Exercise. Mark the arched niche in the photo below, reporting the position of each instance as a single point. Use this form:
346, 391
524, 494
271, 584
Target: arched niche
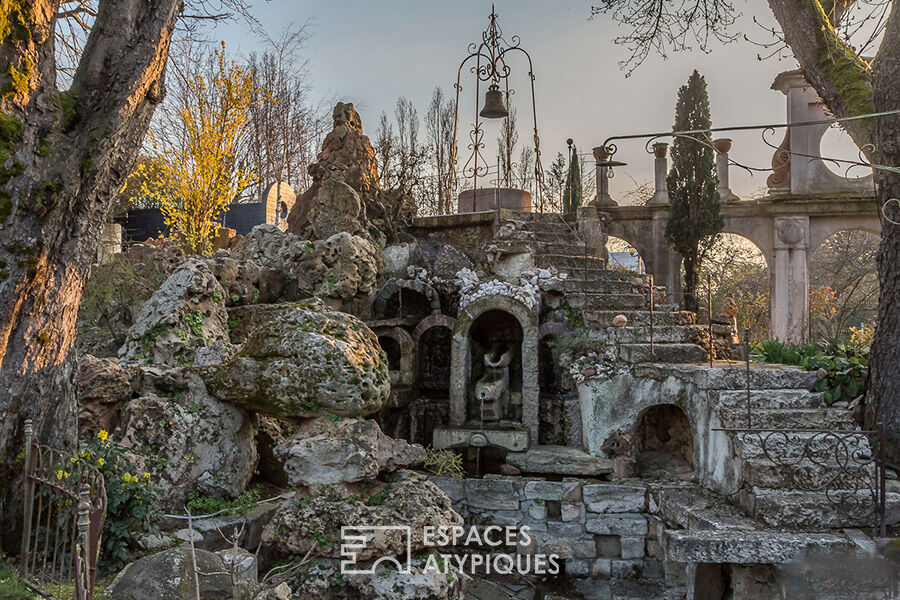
401, 351
407, 300
664, 442
461, 384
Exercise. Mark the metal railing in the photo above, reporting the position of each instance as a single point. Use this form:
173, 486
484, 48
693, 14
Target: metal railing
63, 511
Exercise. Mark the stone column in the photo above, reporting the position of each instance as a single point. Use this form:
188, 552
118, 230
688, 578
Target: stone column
723, 147
661, 168
601, 156
592, 227
790, 297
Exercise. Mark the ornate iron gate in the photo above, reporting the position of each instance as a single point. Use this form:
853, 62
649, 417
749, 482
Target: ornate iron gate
64, 507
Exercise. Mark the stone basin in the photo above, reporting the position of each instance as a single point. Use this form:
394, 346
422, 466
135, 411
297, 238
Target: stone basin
513, 440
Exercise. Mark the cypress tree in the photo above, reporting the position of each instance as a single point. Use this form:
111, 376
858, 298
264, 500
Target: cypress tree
572, 194
694, 217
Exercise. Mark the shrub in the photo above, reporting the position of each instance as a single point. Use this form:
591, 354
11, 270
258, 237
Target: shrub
131, 500
206, 505
846, 366
445, 463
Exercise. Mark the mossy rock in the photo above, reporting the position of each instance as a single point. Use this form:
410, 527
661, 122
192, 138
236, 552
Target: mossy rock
308, 361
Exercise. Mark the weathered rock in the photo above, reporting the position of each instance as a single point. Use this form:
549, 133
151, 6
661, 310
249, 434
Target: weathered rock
185, 313
103, 385
189, 441
240, 563
324, 451
347, 157
270, 265
308, 361
316, 520
169, 574
337, 208
325, 582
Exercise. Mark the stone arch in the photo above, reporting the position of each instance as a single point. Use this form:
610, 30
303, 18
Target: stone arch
381, 302
434, 320
407, 347
636, 234
822, 228
756, 230
663, 434
615, 259
461, 367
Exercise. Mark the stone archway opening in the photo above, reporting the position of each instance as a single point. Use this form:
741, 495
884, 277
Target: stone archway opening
432, 405
391, 347
738, 270
664, 443
624, 257
495, 352
843, 288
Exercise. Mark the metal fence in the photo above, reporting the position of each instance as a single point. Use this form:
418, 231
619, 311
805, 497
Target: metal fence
63, 511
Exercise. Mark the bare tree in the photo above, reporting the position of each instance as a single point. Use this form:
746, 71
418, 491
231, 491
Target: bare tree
439, 133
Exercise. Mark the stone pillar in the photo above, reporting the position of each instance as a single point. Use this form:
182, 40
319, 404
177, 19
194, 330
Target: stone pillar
601, 156
790, 294
592, 227
660, 170
723, 147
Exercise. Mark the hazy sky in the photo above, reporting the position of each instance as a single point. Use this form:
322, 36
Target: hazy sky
372, 52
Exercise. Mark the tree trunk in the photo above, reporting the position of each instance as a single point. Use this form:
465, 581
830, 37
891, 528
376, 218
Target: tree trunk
689, 292
884, 376
65, 155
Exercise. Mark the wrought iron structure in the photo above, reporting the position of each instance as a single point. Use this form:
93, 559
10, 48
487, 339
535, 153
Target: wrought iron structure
64, 508
487, 61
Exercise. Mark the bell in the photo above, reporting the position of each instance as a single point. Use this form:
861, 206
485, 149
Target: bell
493, 104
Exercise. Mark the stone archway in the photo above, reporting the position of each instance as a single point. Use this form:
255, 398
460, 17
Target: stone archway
388, 302
405, 360
461, 364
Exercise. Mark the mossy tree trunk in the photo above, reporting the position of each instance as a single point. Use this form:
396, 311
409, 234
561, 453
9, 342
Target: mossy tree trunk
850, 87
64, 156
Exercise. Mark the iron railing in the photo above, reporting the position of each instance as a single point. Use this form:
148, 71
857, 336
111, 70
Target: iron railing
63, 511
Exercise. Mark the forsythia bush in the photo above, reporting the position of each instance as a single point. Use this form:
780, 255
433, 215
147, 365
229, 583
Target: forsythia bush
131, 508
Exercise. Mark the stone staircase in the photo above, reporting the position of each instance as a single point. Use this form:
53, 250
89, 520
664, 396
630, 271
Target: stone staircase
802, 465
599, 294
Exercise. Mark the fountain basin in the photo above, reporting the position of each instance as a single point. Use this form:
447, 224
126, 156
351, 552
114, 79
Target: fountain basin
513, 440
482, 199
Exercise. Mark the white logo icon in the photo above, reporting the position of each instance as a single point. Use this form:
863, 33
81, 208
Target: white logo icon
355, 539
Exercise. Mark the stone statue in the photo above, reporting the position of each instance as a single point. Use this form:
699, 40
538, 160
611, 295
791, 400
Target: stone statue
492, 389
620, 447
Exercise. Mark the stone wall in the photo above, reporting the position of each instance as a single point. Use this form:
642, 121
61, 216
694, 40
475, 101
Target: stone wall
599, 530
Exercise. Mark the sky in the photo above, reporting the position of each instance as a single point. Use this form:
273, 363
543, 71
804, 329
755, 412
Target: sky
372, 52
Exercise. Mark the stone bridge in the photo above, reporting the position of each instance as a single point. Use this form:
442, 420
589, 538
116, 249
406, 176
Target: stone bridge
806, 203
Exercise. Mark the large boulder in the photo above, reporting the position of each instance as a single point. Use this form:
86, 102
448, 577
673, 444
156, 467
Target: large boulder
337, 208
186, 439
186, 312
314, 520
309, 361
169, 575
326, 451
269, 265
103, 385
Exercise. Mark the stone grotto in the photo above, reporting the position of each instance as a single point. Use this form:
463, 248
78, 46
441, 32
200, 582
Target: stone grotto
479, 368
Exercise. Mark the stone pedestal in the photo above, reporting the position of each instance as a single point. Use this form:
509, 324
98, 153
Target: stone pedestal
790, 296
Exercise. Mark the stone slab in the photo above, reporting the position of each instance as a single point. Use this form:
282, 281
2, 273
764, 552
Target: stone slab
560, 460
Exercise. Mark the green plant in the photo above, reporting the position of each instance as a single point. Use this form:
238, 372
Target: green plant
445, 463
217, 296
200, 504
131, 500
194, 322
12, 587
845, 366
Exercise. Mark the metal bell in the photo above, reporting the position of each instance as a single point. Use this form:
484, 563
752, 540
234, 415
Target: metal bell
493, 104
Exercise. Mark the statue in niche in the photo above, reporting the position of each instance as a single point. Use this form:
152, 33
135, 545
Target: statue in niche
492, 389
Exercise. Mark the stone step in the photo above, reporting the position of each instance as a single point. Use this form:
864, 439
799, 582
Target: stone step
762, 472
608, 302
749, 547
662, 353
773, 399
600, 318
568, 263
595, 281
663, 334
788, 418
803, 445
732, 376
812, 511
